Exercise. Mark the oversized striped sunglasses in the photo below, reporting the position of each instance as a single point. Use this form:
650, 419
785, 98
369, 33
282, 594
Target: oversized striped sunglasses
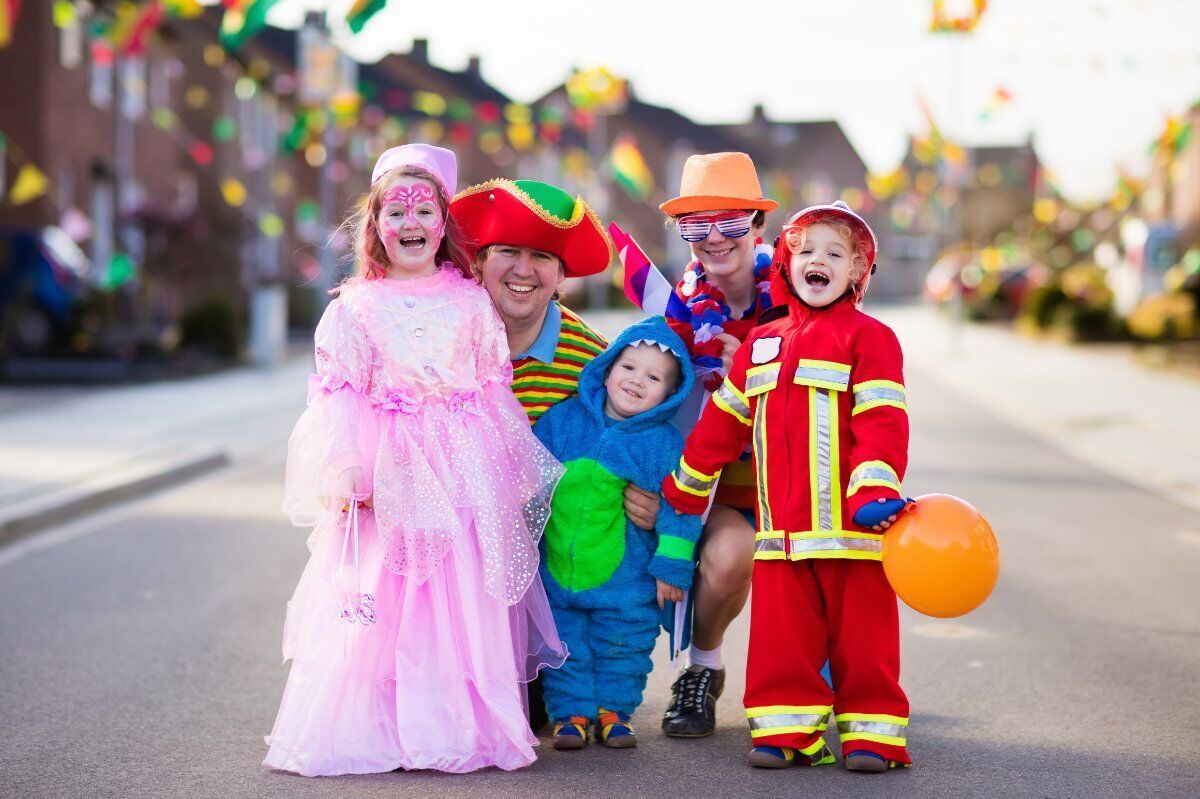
730, 224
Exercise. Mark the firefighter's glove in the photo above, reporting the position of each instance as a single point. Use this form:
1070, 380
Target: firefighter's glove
880, 515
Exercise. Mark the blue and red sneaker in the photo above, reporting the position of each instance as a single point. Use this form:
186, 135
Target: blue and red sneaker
615, 730
570, 732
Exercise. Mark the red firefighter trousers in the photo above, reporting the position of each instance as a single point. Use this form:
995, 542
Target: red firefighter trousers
802, 614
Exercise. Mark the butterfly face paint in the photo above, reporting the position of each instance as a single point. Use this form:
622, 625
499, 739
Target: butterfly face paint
411, 227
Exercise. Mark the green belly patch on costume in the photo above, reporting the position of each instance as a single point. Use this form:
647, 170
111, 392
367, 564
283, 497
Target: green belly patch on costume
585, 537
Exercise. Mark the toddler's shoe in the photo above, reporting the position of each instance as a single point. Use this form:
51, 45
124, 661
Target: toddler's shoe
570, 732
772, 757
786, 757
865, 761
615, 730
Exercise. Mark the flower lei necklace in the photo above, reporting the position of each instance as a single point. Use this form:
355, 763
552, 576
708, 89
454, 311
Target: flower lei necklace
709, 311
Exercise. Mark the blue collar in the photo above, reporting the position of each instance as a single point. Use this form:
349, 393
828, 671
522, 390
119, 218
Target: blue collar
547, 341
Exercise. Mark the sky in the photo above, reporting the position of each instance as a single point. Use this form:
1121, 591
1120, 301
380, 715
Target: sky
1092, 81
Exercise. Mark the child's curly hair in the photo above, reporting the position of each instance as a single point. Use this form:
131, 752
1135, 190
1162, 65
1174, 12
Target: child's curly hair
859, 242
366, 247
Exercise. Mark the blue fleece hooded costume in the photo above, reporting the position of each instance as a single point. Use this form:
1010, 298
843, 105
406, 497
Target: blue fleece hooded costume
598, 568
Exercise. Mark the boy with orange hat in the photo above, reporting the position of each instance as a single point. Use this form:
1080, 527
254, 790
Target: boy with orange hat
721, 214
818, 390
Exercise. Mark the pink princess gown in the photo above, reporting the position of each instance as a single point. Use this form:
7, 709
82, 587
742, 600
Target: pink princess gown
414, 624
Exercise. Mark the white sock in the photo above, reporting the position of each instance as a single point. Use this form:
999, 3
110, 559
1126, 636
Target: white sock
705, 658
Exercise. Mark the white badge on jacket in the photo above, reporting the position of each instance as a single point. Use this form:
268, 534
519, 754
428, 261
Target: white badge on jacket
765, 350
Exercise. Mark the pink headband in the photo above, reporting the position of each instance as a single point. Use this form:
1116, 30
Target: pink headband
439, 161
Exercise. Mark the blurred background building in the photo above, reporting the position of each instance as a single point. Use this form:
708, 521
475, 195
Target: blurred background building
173, 176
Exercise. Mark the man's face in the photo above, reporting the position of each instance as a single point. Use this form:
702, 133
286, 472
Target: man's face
520, 280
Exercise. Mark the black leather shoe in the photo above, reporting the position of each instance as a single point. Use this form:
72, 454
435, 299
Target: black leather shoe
693, 709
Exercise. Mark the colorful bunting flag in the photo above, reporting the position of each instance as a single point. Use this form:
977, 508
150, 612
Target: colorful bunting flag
8, 20
362, 11
947, 21
233, 191
30, 184
1000, 97
134, 24
243, 20
628, 168
184, 9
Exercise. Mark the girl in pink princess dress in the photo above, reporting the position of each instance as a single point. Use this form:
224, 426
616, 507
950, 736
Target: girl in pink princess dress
420, 612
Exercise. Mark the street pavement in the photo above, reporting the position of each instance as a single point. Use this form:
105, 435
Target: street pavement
141, 645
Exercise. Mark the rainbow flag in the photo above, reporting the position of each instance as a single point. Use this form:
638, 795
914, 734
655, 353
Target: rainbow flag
645, 286
362, 11
629, 169
243, 20
8, 20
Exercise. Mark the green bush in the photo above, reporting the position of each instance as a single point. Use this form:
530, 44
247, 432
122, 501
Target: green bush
1041, 305
212, 325
1086, 322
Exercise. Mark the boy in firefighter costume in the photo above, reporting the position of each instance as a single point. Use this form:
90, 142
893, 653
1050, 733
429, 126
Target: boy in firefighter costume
601, 572
818, 390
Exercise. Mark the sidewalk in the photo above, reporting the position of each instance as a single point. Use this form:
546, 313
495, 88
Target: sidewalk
1094, 402
69, 456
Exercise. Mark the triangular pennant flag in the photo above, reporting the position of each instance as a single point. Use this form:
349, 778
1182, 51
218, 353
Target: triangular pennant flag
362, 11
243, 20
30, 184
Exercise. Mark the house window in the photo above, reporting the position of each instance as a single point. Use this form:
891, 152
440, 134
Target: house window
160, 82
102, 222
100, 88
70, 45
133, 87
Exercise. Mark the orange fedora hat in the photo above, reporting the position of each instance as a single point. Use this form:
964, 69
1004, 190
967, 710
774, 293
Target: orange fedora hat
715, 181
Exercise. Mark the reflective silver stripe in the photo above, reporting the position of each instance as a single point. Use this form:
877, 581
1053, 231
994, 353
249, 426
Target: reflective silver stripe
865, 473
873, 727
824, 375
765, 379
813, 720
824, 471
760, 462
769, 545
836, 544
863, 396
733, 400
683, 478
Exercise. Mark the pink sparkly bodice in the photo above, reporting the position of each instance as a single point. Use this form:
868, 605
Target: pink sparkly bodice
412, 391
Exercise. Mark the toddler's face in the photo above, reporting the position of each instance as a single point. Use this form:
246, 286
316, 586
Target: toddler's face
640, 379
410, 225
820, 266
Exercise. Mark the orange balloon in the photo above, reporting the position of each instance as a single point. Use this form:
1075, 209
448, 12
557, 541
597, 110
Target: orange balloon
941, 556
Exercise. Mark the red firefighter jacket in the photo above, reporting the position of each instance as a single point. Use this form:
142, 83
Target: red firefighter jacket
820, 395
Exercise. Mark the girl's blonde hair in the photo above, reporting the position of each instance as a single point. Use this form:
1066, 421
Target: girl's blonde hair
366, 247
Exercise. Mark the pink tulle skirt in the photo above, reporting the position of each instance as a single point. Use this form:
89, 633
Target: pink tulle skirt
435, 682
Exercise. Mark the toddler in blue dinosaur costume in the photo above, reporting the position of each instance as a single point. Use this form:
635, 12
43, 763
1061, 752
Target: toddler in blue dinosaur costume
605, 577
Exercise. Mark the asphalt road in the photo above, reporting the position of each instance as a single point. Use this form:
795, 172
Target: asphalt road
139, 652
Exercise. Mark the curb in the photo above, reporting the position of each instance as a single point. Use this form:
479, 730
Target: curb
63, 506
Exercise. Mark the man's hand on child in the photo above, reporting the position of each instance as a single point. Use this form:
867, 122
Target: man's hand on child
641, 506
881, 515
668, 593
